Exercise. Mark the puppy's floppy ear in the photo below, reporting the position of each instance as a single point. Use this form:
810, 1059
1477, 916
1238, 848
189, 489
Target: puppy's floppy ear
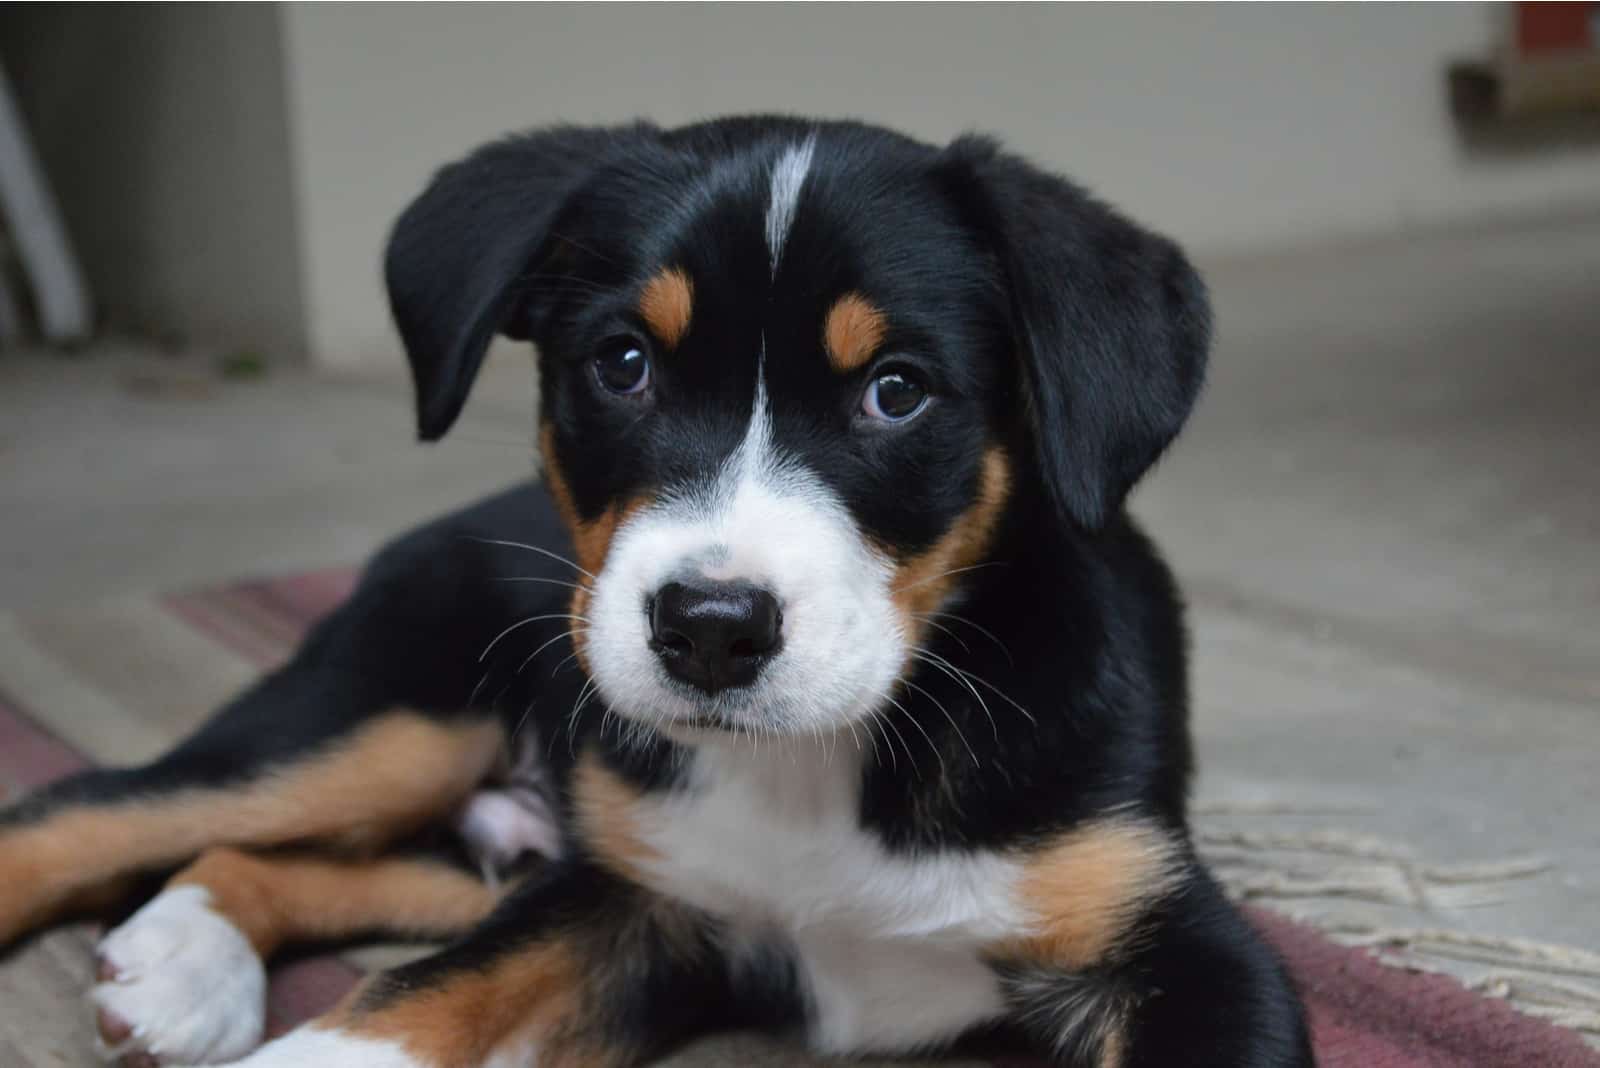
458, 255
1110, 322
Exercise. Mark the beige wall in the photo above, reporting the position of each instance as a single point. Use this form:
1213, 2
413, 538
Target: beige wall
163, 130
234, 170
1233, 127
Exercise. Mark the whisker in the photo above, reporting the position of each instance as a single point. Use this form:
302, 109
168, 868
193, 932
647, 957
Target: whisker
874, 721
588, 691
927, 618
523, 623
518, 728
472, 698
947, 574
997, 691
953, 617
944, 771
853, 735
879, 716
564, 634
557, 557
951, 670
537, 578
872, 740
953, 724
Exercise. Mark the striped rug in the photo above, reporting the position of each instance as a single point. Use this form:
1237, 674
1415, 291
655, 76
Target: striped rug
118, 682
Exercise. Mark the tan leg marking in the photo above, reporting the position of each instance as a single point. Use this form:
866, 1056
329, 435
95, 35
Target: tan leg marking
1112, 1046
547, 1001
921, 583
666, 304
386, 780
1086, 893
852, 332
274, 900
531, 997
1088, 890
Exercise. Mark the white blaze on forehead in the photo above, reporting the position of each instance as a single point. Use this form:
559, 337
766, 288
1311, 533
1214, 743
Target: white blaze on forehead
754, 455
788, 175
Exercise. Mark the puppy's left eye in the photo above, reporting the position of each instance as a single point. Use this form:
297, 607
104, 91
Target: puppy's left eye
623, 367
894, 397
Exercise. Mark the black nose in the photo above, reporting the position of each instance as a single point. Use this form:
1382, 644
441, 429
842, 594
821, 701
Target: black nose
714, 634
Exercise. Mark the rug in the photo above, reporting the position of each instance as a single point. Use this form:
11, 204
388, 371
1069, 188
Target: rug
120, 681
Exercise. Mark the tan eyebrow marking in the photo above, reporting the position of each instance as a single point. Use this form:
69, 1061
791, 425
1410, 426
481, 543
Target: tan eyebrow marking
667, 304
853, 331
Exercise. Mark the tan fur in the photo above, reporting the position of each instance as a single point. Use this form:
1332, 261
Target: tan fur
605, 806
591, 538
532, 996
1088, 890
385, 781
279, 899
922, 582
1112, 1047
852, 331
666, 304
545, 1000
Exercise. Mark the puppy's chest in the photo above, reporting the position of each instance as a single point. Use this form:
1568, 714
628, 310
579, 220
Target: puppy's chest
775, 838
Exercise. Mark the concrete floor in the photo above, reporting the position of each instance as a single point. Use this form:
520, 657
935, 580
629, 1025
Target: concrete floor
1386, 514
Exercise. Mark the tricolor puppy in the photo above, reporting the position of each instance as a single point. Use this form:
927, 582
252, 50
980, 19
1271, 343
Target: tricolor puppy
825, 680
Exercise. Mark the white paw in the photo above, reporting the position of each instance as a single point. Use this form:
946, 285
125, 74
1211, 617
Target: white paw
181, 985
313, 1048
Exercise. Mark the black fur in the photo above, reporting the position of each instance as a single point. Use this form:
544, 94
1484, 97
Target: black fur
1044, 323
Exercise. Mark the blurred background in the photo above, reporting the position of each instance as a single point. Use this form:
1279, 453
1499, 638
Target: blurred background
1386, 512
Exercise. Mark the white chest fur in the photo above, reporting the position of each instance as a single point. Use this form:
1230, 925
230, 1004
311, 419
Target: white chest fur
887, 943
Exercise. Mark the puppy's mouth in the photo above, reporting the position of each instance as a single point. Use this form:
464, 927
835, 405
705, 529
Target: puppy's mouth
705, 721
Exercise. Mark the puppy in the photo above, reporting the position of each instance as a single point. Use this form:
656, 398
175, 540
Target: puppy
826, 669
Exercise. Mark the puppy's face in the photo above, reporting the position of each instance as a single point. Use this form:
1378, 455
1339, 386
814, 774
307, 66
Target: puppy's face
767, 413
783, 377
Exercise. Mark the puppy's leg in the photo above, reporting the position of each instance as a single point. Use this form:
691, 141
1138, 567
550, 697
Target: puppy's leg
1224, 997
578, 969
331, 747
183, 981
381, 779
1179, 978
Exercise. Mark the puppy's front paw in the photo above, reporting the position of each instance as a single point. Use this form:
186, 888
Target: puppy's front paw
313, 1047
179, 985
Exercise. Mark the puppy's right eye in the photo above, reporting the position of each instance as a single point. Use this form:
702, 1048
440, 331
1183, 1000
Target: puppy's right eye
623, 367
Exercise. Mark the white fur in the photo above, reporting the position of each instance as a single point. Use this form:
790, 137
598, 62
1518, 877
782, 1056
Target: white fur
189, 983
893, 995
765, 519
766, 833
788, 175
313, 1048
310, 1047
513, 814
887, 943
498, 827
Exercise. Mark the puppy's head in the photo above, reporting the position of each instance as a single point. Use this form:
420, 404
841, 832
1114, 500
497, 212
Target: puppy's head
796, 379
